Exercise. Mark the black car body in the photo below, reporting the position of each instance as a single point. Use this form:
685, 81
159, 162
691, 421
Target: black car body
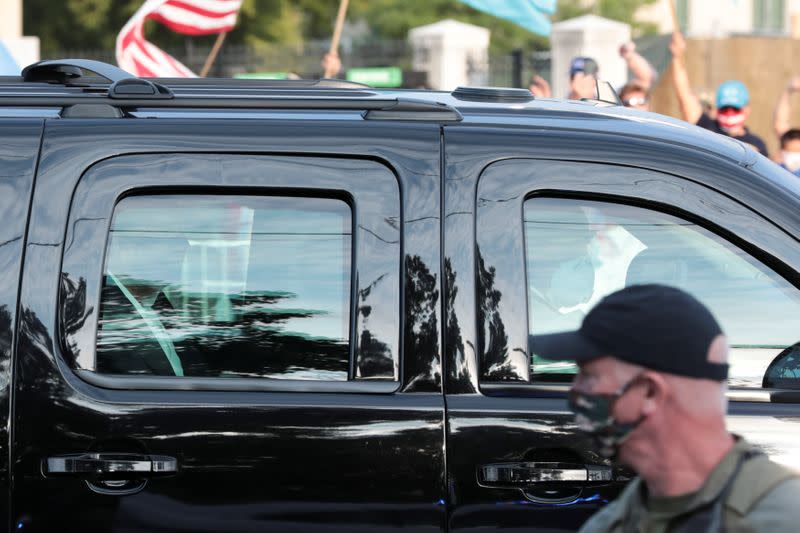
417, 232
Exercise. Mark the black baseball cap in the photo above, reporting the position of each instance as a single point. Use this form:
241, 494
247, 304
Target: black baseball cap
658, 327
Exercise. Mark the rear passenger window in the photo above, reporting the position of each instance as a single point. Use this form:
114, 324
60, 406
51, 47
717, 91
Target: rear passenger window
578, 251
227, 286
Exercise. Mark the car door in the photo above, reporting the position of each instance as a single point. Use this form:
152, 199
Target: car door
540, 233
231, 325
19, 150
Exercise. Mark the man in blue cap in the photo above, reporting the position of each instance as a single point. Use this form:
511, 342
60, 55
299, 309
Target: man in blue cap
733, 102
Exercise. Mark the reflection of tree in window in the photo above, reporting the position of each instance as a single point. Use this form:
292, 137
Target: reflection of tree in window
73, 308
374, 356
227, 286
421, 329
492, 336
454, 344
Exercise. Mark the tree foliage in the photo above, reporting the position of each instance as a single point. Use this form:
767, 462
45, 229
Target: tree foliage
621, 10
94, 24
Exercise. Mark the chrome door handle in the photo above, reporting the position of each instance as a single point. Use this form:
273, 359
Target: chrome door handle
521, 475
116, 474
110, 463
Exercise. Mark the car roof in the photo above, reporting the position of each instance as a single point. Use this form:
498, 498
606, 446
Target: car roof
91, 89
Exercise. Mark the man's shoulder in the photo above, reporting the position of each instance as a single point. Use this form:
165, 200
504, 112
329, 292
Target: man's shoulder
766, 492
778, 509
614, 513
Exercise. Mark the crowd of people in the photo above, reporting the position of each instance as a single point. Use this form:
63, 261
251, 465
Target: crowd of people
727, 115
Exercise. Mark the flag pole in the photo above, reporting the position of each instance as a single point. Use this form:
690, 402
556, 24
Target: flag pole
212, 55
337, 34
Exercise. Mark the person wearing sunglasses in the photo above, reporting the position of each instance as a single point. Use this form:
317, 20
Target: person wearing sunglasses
650, 393
635, 96
732, 101
636, 93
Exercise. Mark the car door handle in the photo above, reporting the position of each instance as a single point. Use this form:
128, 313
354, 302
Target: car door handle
521, 475
113, 464
115, 474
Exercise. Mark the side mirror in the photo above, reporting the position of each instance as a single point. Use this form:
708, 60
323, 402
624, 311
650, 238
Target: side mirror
784, 371
606, 93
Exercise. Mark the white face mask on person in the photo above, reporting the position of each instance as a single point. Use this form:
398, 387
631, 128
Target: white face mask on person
791, 160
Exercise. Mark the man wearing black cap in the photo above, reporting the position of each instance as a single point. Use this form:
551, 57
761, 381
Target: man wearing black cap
651, 392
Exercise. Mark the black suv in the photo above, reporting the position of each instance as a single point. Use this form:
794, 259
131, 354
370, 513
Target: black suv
305, 306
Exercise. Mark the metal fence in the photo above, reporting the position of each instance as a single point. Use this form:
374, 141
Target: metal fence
503, 70
303, 59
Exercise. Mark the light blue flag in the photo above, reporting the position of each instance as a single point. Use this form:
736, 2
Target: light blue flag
8, 65
533, 15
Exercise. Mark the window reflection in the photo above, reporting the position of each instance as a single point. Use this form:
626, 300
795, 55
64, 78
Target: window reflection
227, 286
578, 251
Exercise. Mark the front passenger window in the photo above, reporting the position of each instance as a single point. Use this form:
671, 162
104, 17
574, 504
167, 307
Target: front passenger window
578, 251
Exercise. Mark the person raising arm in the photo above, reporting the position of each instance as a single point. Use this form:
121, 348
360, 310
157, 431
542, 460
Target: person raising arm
636, 93
691, 108
733, 101
643, 72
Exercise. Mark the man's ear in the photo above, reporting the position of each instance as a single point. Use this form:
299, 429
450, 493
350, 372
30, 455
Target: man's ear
746, 111
656, 391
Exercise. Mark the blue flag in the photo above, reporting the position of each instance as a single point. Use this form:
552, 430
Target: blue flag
8, 65
533, 15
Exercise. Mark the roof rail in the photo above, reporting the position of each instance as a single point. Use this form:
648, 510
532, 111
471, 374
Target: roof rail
77, 72
73, 72
254, 83
390, 106
65, 83
61, 71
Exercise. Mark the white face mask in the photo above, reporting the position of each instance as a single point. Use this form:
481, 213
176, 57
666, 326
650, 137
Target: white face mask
791, 160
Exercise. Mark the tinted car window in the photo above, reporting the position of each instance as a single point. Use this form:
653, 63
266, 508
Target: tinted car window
227, 286
578, 251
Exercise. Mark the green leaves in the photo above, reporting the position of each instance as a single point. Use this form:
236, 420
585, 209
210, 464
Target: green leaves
94, 24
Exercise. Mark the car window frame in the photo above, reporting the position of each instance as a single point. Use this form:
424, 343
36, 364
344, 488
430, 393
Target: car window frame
504, 186
369, 188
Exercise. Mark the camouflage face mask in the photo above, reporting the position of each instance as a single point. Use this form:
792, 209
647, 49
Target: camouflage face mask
593, 416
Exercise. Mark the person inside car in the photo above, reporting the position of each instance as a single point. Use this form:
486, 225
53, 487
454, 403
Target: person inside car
651, 393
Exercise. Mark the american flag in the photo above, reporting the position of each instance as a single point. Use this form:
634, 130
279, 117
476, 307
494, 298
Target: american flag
190, 17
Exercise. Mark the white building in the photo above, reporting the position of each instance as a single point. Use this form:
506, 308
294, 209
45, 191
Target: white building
452, 53
722, 18
593, 36
23, 50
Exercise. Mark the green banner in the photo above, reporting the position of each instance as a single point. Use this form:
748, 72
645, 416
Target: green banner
377, 76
